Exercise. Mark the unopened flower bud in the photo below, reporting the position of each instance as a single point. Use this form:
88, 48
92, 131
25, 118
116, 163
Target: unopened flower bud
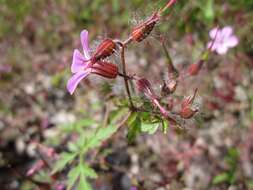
169, 87
144, 86
187, 112
105, 49
141, 31
189, 99
195, 68
105, 69
172, 85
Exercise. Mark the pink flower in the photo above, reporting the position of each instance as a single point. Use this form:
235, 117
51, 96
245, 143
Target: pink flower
222, 39
84, 64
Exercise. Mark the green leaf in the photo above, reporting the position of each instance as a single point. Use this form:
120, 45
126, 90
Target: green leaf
116, 6
87, 171
233, 153
150, 128
134, 124
73, 176
72, 147
232, 177
132, 118
83, 184
116, 115
80, 172
65, 158
250, 184
84, 123
209, 10
102, 134
165, 126
78, 125
220, 178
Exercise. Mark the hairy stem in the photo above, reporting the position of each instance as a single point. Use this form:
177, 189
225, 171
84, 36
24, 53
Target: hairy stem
123, 62
168, 5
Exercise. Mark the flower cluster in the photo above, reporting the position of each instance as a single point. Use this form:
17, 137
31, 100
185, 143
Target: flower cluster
85, 64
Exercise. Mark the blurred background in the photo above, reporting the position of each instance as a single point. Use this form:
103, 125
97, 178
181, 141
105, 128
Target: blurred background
37, 39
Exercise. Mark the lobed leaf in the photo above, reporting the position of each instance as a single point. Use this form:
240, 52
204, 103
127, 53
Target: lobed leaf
102, 134
73, 176
65, 158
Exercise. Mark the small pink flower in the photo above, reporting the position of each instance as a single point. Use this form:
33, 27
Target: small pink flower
84, 64
222, 39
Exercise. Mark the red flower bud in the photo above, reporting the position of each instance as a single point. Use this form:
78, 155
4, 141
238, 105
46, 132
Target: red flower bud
141, 31
105, 69
187, 112
172, 85
168, 87
194, 69
144, 86
189, 99
105, 49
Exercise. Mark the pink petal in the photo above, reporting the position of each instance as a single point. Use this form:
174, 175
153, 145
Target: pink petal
78, 62
213, 32
213, 44
75, 80
222, 49
227, 31
232, 41
85, 43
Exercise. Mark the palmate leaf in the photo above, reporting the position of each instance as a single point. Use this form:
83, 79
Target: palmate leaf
65, 158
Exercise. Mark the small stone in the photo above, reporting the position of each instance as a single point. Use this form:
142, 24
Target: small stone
240, 94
